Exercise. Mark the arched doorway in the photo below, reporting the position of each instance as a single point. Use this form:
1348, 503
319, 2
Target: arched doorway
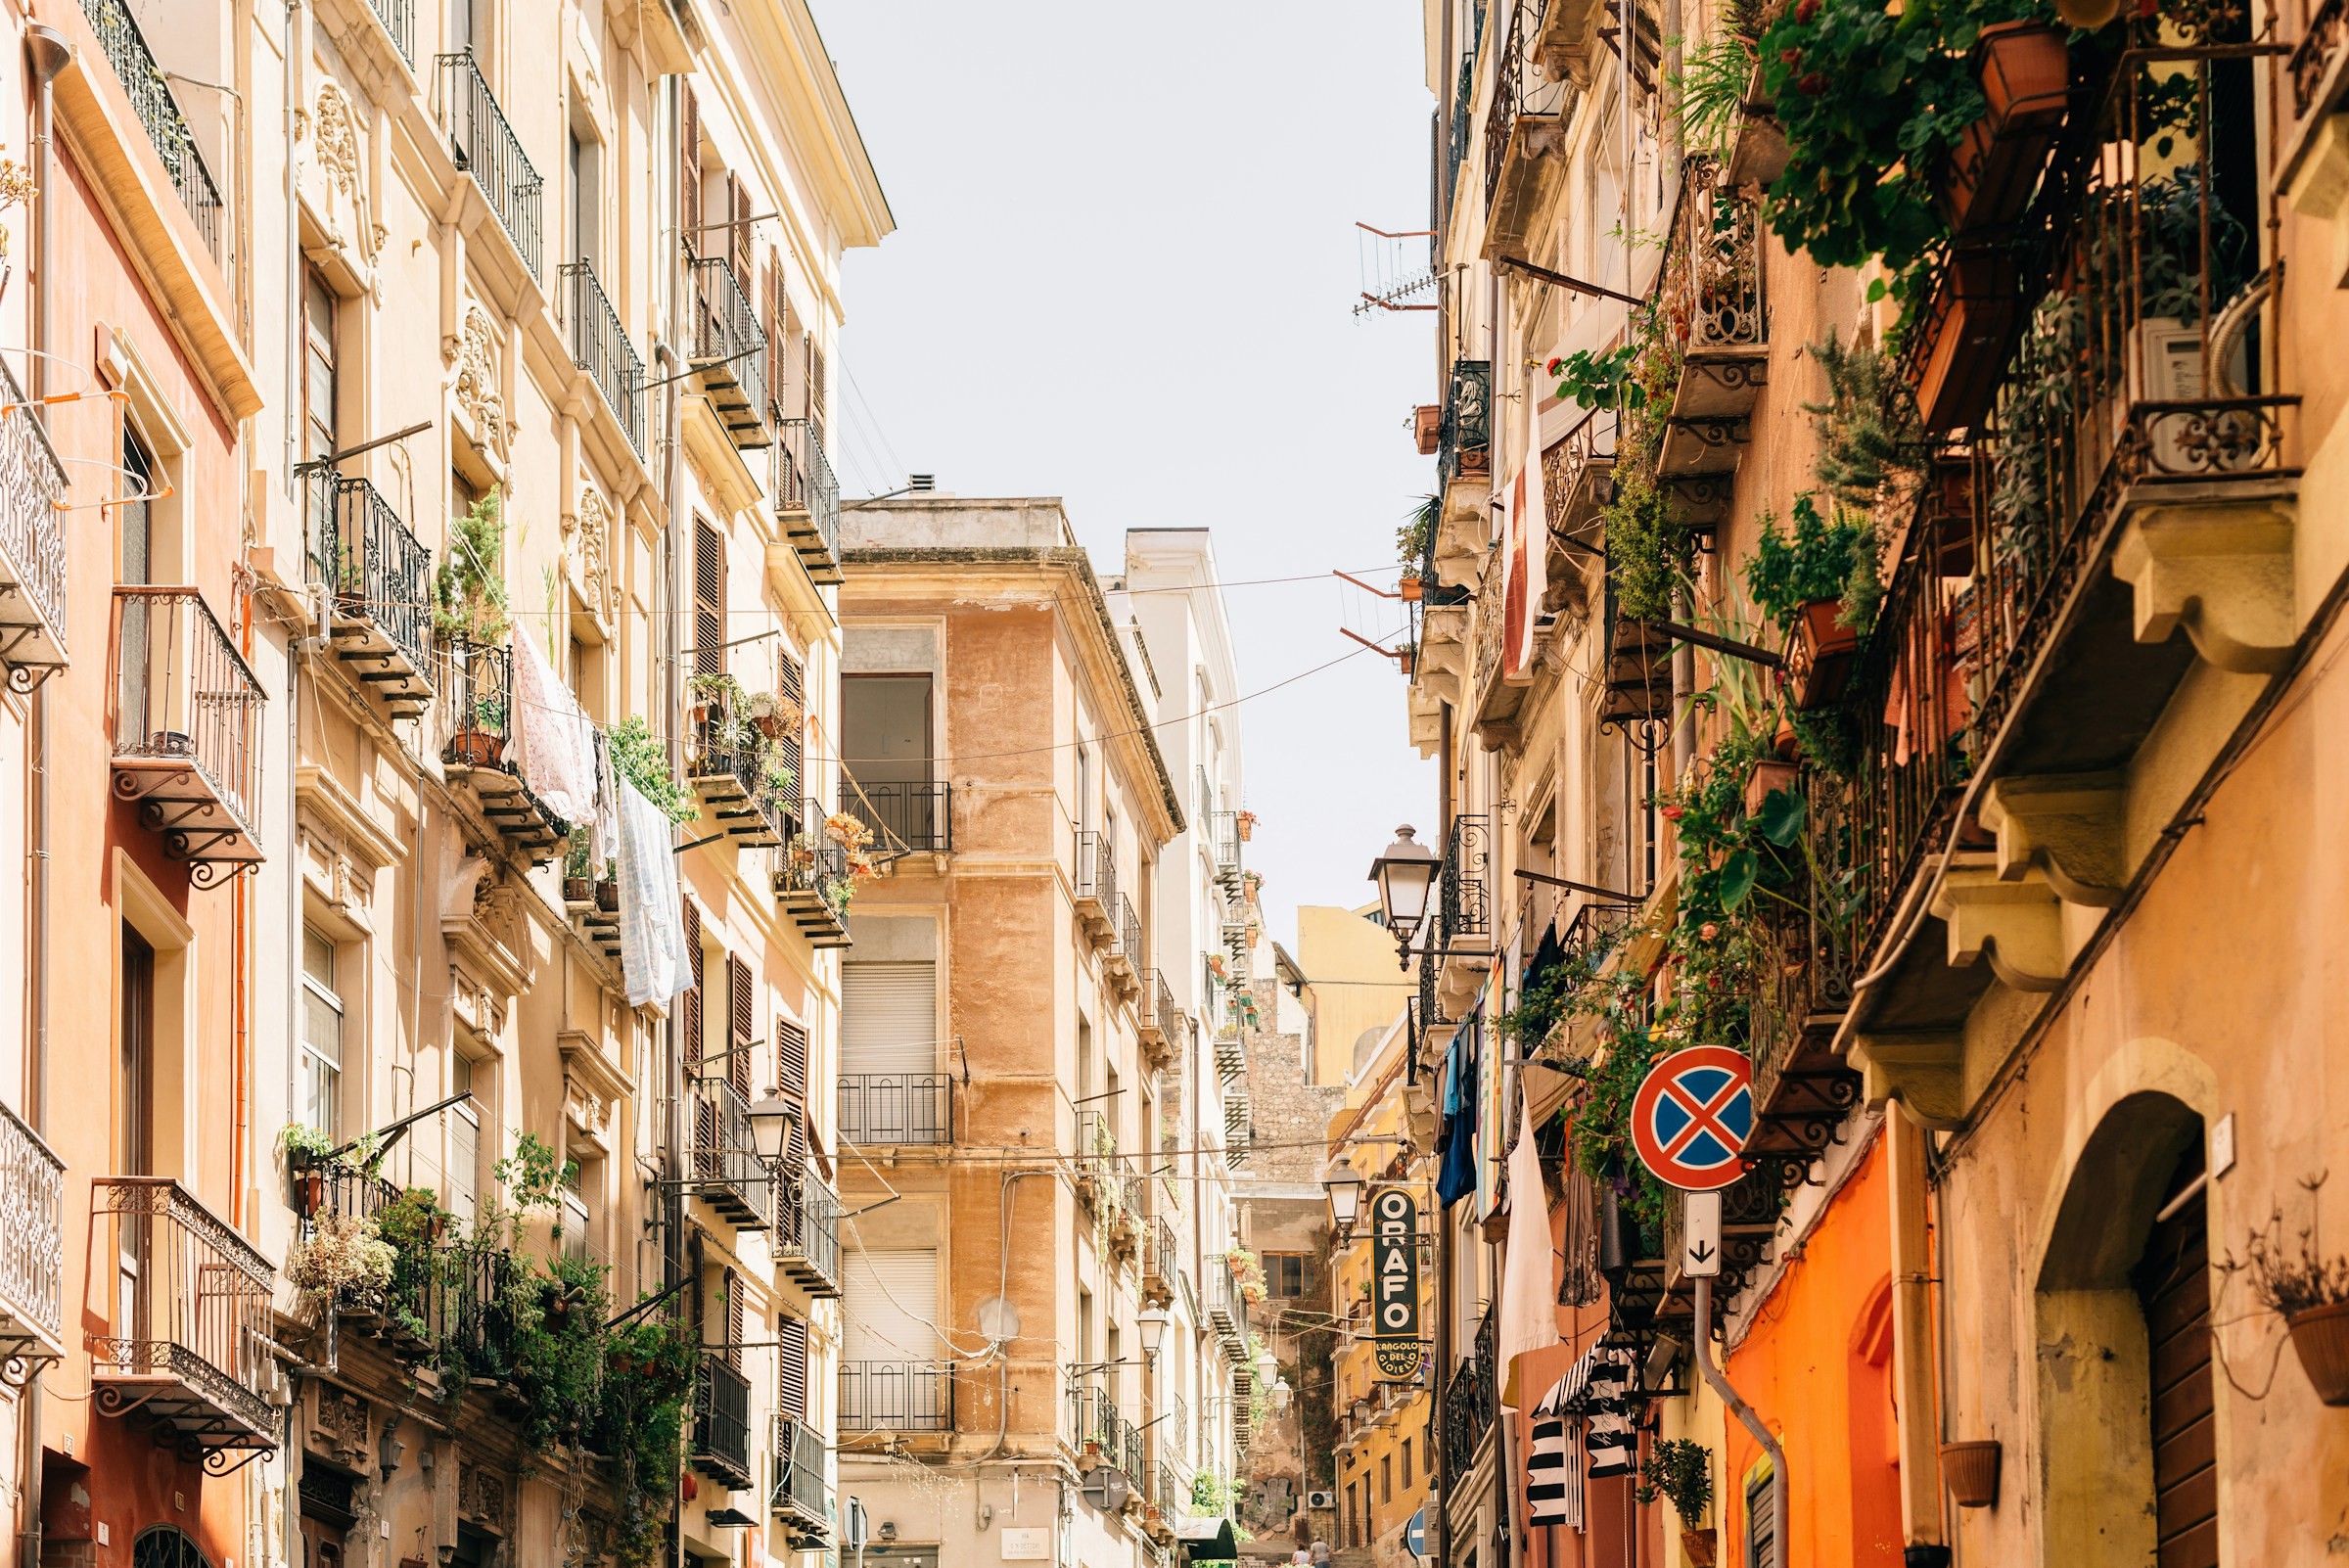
2125, 1452
166, 1547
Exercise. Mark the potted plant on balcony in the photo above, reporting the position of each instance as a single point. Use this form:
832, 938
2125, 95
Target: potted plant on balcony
2310, 1292
643, 761
1680, 1471
340, 1257
469, 604
1815, 585
2024, 71
1248, 1273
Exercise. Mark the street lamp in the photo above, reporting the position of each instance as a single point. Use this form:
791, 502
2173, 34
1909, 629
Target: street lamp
1344, 1184
1267, 1369
1403, 874
1281, 1394
1153, 1324
770, 1125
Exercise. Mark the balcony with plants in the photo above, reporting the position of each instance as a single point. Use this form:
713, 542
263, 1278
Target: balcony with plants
187, 731
738, 762
378, 581
1464, 472
472, 630
32, 544
818, 871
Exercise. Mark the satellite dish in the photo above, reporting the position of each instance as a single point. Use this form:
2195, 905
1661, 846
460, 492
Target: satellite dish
998, 1319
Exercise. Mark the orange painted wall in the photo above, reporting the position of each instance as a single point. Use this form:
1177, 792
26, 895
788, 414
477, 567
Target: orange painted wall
1817, 1367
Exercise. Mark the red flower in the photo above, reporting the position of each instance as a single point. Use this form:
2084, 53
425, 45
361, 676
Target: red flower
1812, 85
1790, 57
1804, 12
1708, 931
1673, 814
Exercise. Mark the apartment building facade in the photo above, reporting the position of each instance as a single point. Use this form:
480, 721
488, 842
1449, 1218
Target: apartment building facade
2019, 825
459, 459
1040, 1315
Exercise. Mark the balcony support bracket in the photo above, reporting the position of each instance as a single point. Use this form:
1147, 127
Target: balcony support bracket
2017, 926
2223, 570
1924, 1070
2067, 827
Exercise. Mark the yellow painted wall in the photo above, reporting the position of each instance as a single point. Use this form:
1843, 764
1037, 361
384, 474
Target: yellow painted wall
1352, 983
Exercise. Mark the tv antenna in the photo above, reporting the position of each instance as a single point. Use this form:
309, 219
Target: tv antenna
1396, 274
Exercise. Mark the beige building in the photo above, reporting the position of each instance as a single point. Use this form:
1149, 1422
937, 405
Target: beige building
1030, 1144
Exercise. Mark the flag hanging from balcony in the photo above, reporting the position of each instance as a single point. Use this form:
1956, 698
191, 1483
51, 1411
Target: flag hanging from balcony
1527, 541
1529, 1313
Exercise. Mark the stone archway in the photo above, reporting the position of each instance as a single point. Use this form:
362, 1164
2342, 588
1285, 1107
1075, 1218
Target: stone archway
2094, 1438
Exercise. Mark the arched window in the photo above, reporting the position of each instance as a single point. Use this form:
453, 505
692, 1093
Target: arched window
166, 1547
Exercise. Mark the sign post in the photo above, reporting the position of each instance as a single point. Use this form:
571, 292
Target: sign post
1395, 1282
1700, 1235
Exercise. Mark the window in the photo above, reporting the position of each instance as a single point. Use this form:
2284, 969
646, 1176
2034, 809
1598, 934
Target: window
136, 1154
885, 728
577, 1245
1761, 1525
1407, 1464
319, 1078
464, 32
1286, 1275
138, 515
708, 599
464, 1142
582, 158
1385, 1478
321, 380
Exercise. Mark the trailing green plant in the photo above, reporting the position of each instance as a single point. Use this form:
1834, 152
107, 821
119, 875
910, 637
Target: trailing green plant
1821, 559
469, 588
1680, 1471
650, 1367
1869, 440
336, 1255
1597, 379
1872, 102
1647, 554
559, 1351
643, 761
1415, 540
302, 1142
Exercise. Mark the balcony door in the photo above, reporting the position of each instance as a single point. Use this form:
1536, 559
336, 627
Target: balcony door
888, 1299
134, 1136
888, 1050
884, 747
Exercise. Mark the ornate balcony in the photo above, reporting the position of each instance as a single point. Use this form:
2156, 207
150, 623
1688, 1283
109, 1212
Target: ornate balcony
800, 1496
728, 349
475, 708
1470, 1399
1464, 446
906, 818
1158, 1022
806, 1239
1122, 959
1498, 699
1803, 1091
187, 731
32, 544
1524, 134
188, 1354
812, 882
806, 498
1464, 908
1578, 477
1230, 872
1226, 1308
1162, 1262
889, 1397
878, 1109
725, 763
32, 1250
1096, 885
398, 18
600, 346
381, 580
2123, 511
149, 90
1713, 308
728, 1173
482, 142
722, 1423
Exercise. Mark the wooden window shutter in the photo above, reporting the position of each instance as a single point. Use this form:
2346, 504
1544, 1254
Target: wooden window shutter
738, 1037
689, 1007
738, 236
791, 1059
817, 401
709, 598
689, 165
771, 320
736, 1319
790, 1377
790, 371
791, 691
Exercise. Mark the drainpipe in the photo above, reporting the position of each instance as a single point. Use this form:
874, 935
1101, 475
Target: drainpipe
1718, 1383
46, 53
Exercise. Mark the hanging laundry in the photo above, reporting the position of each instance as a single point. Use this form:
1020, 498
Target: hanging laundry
1456, 1178
603, 843
556, 735
1553, 1471
652, 921
1529, 1314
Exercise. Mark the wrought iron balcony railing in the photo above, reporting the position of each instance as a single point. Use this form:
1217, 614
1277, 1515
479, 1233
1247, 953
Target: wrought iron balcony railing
485, 145
1464, 907
811, 881
475, 712
800, 1493
187, 731
189, 1340
1469, 1401
1096, 1143
727, 765
1227, 1306
912, 816
1125, 948
727, 1171
600, 346
727, 348
149, 89
1464, 119
1093, 1418
806, 1240
32, 1248
32, 544
1465, 440
1175, 1432
806, 498
398, 18
897, 1108
1521, 125
1096, 873
381, 578
1710, 297
721, 1422
896, 1397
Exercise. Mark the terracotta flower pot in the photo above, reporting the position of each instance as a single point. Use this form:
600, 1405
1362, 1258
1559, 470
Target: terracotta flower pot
578, 889
2026, 70
1971, 1470
1961, 337
2321, 1337
1703, 1546
607, 897
1409, 589
1766, 778
1427, 428
476, 748
1818, 659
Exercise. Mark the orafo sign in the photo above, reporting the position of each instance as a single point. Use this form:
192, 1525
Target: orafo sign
1395, 1282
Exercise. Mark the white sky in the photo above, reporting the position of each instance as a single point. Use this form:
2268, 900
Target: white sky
1123, 274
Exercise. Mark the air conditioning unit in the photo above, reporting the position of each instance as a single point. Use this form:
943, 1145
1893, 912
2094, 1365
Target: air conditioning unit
1321, 1499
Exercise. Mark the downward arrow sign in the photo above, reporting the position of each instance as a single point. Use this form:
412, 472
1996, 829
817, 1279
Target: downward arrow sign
1700, 1246
1700, 1252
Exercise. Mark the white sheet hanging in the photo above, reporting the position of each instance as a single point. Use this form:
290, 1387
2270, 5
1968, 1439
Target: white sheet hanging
558, 739
652, 921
